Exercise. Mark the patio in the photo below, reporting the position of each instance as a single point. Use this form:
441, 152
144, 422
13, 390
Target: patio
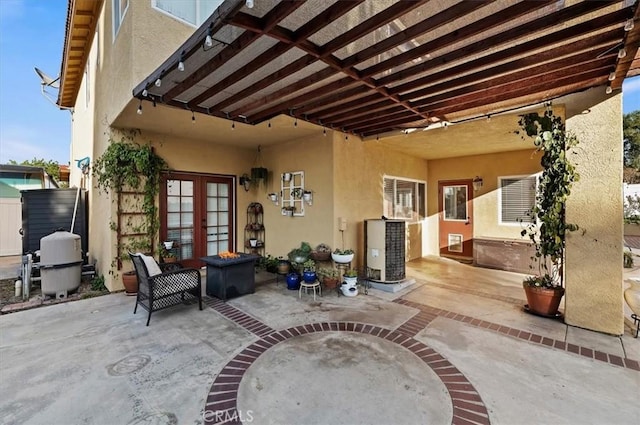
453, 348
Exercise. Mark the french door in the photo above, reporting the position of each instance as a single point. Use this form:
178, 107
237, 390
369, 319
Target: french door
197, 213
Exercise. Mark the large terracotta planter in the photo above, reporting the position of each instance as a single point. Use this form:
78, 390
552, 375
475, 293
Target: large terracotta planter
543, 301
130, 282
632, 296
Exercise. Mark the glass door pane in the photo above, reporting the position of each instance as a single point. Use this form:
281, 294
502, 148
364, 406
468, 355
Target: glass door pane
217, 217
454, 199
180, 216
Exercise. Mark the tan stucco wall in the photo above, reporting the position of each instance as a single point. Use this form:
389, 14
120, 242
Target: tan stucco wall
359, 168
312, 155
594, 254
117, 64
485, 201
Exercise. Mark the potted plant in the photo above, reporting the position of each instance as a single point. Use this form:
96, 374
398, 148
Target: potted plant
301, 254
309, 271
288, 211
321, 253
350, 285
342, 256
283, 266
269, 263
329, 277
166, 255
548, 227
130, 282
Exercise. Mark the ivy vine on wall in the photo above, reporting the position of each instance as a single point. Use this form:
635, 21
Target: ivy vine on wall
132, 171
549, 228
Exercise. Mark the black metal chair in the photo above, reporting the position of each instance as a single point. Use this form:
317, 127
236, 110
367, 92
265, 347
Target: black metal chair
165, 289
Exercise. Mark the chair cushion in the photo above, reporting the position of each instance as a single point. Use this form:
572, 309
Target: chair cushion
152, 267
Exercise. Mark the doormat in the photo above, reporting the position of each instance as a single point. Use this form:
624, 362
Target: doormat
391, 287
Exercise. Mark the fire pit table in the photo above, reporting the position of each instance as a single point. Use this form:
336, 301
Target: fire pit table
230, 277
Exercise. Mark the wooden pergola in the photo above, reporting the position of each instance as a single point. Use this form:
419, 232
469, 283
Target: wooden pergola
377, 67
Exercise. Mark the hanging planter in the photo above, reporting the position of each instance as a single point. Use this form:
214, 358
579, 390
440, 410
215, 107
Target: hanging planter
259, 173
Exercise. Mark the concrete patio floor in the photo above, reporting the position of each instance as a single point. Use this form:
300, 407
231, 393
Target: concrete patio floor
454, 348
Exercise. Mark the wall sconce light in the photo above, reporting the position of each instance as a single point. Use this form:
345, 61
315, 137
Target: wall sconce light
477, 183
245, 181
273, 197
307, 197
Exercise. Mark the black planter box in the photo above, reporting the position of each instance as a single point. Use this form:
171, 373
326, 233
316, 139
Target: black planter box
229, 278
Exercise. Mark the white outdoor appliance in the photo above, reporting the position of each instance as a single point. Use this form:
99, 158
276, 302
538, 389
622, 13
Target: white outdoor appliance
385, 245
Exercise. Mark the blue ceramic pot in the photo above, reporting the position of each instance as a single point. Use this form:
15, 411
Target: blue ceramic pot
309, 277
293, 281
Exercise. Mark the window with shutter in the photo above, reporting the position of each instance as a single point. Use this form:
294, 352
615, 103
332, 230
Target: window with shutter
403, 199
517, 197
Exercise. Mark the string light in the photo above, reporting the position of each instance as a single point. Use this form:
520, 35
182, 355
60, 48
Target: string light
608, 90
233, 125
249, 4
489, 118
628, 26
193, 117
612, 75
622, 53
295, 122
139, 111
208, 41
145, 92
158, 82
324, 132
269, 125
181, 65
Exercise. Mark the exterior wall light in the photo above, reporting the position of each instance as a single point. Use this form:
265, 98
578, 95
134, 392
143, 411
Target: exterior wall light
245, 181
477, 183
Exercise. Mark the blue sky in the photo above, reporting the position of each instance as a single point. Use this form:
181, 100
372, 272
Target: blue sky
31, 34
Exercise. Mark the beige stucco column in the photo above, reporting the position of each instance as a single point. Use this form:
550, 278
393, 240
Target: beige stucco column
593, 297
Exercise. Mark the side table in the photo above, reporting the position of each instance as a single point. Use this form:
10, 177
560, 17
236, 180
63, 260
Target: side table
313, 286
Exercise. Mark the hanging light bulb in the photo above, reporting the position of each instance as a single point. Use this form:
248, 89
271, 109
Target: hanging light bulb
145, 92
181, 66
233, 125
628, 26
608, 90
193, 117
208, 41
158, 82
324, 132
139, 111
612, 75
269, 125
249, 4
622, 53
295, 122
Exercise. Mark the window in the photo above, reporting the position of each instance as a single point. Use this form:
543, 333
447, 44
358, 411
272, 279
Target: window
194, 12
87, 85
403, 199
119, 9
517, 197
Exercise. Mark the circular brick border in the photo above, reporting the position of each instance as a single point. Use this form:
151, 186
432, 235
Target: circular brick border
221, 404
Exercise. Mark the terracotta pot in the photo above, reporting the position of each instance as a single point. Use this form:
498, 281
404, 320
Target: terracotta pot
543, 301
130, 282
330, 282
632, 296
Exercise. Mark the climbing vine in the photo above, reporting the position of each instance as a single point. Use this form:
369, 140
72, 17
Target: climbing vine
549, 228
129, 168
